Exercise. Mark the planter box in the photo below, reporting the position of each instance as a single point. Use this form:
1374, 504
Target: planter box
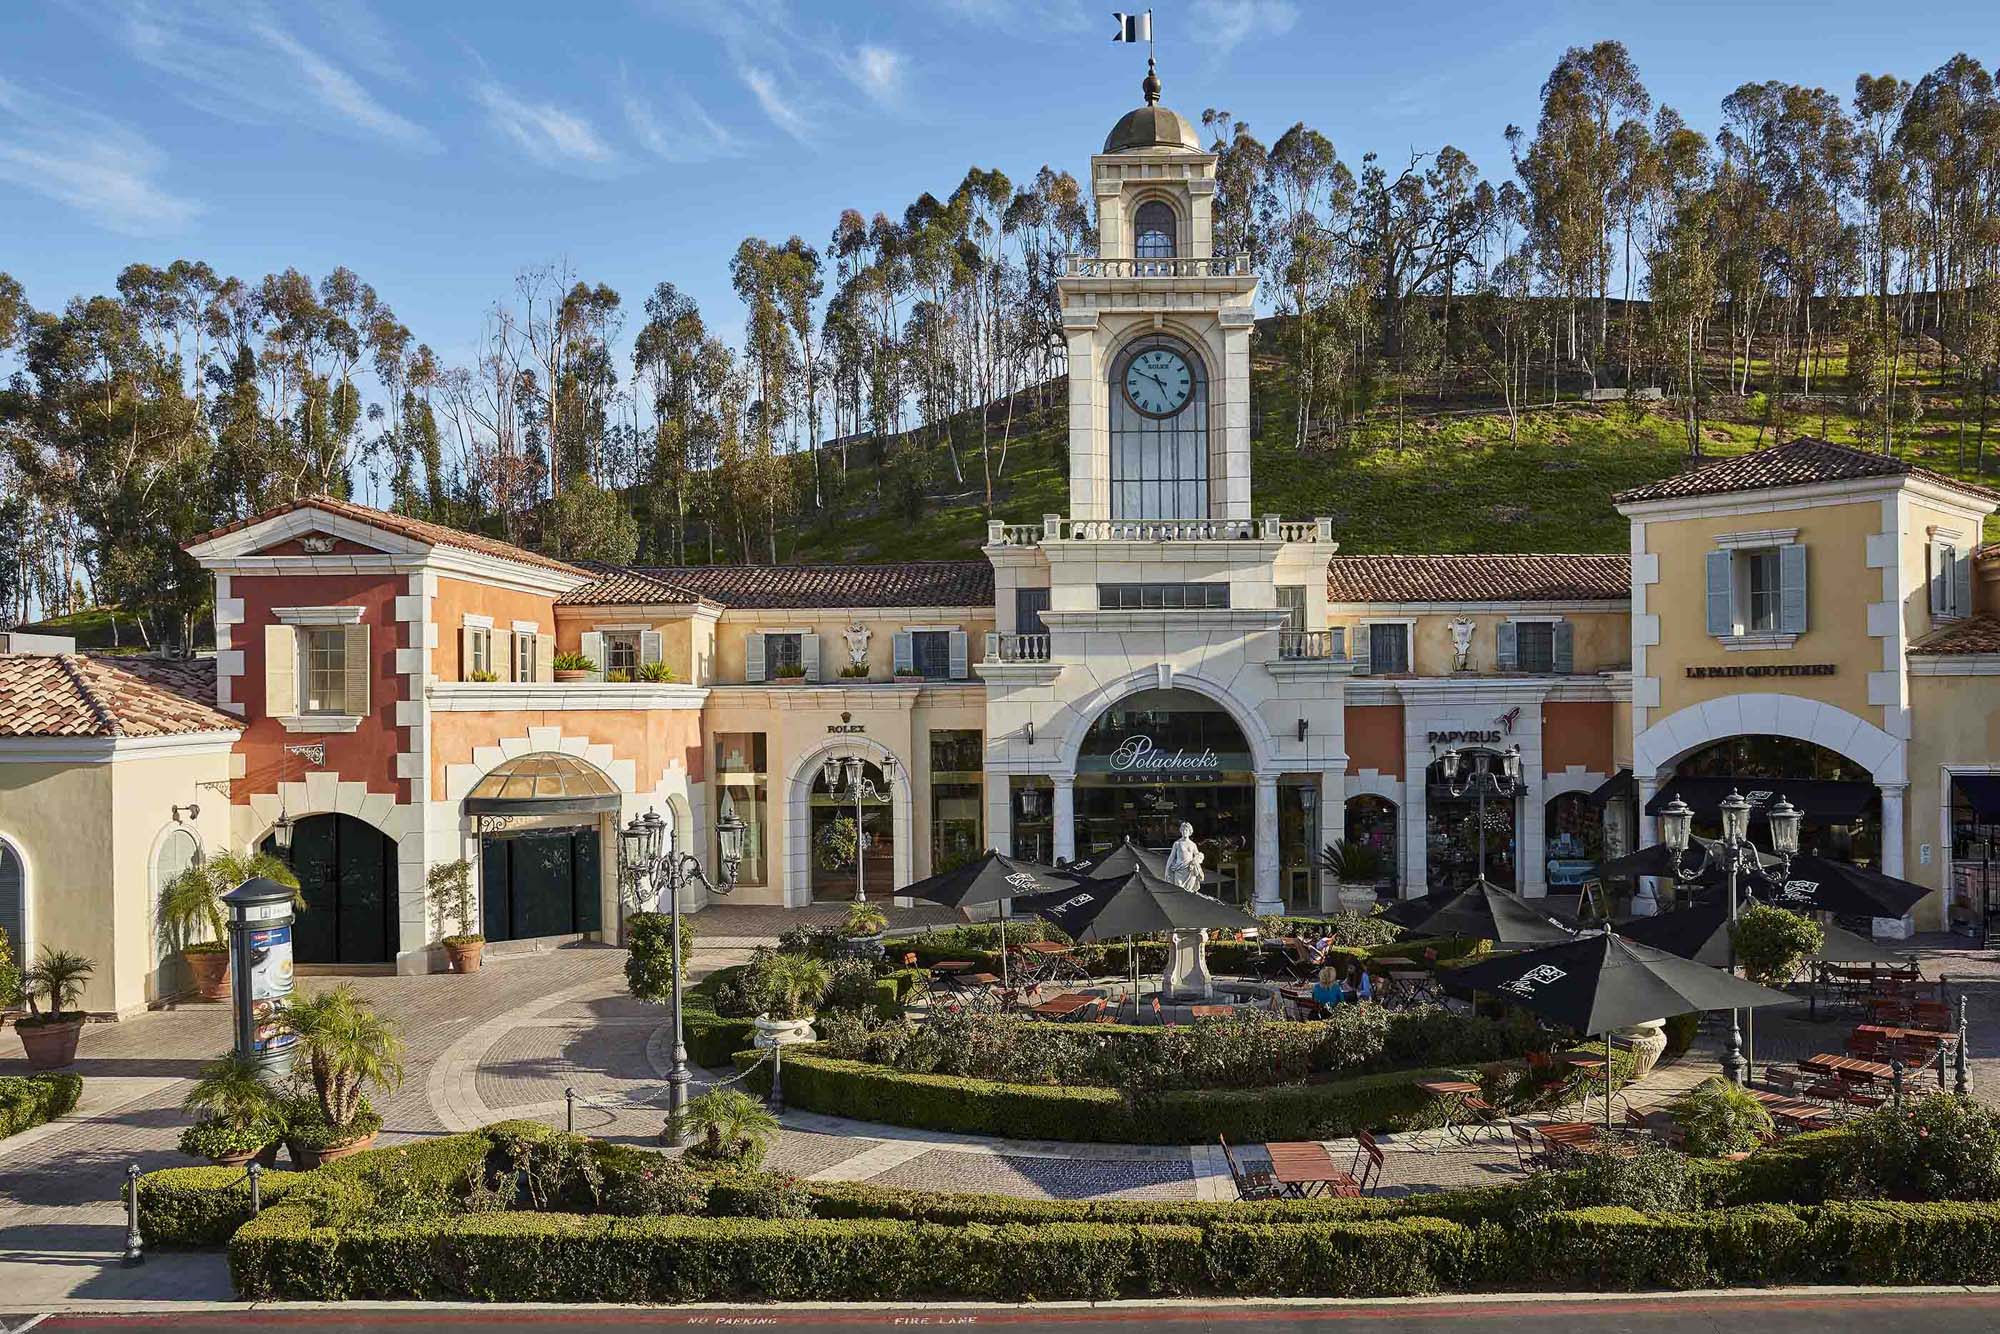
50, 1046
570, 677
210, 969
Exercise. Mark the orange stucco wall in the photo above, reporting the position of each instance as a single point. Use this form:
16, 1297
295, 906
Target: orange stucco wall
1375, 739
456, 598
1577, 734
365, 755
653, 739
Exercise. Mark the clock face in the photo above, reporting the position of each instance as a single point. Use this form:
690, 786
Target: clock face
1158, 382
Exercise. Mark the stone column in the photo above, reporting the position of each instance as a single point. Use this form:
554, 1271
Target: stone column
1065, 817
1332, 829
1893, 928
1265, 899
1531, 835
1411, 818
999, 813
1646, 891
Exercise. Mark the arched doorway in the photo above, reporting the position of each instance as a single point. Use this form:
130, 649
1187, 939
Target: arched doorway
1575, 836
833, 836
14, 901
1157, 758
1452, 831
1842, 805
540, 818
1371, 824
347, 876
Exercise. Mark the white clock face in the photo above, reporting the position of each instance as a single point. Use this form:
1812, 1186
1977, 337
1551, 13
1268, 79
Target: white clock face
1158, 382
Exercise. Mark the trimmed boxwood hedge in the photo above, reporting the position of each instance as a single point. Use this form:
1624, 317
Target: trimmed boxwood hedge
29, 1100
712, 1039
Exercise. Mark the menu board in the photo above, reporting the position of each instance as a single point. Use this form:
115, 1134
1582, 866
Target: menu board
270, 967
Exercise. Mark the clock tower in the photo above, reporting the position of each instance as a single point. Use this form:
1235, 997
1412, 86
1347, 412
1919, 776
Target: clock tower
1159, 335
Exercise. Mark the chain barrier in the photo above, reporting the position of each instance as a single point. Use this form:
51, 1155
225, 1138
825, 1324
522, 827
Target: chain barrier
655, 1101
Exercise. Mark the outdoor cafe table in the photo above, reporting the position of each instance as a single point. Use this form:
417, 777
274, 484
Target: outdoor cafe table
1571, 1136
1942, 1037
1044, 947
1063, 1006
1211, 1011
1846, 1067
1456, 1098
1304, 1169
1412, 983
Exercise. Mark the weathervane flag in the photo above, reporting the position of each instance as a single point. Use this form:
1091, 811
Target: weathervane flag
1133, 27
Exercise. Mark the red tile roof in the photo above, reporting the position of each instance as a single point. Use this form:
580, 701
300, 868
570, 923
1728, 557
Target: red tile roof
921, 583
1974, 634
72, 696
420, 530
621, 587
1801, 462
1479, 578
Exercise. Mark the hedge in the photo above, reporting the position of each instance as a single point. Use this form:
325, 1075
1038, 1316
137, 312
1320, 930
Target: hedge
568, 1257
1328, 1110
27, 1101
711, 1038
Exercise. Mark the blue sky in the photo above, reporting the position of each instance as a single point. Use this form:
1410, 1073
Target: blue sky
437, 146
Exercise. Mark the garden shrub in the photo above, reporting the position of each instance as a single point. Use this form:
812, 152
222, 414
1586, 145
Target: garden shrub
27, 1101
1682, 1029
1940, 1147
1720, 1118
1655, 1179
713, 1037
649, 963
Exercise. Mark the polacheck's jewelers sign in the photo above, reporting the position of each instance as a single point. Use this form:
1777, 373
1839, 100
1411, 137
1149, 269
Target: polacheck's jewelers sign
1140, 759
1702, 671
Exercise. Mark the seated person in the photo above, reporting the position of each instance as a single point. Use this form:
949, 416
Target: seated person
1317, 950
1327, 988
1359, 985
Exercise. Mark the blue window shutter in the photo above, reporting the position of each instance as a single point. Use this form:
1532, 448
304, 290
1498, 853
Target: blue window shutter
960, 650
753, 657
905, 653
1565, 648
1337, 642
1961, 583
1508, 657
1792, 589
1934, 558
1721, 592
1364, 647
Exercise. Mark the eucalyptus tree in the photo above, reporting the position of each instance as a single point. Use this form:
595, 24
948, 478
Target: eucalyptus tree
1307, 217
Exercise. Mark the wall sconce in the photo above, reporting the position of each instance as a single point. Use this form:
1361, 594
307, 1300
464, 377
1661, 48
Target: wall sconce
193, 812
1302, 729
1029, 731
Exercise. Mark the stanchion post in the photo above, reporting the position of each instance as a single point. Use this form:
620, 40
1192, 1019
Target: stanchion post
1896, 1079
135, 1247
776, 1102
569, 1110
256, 1173
1961, 1077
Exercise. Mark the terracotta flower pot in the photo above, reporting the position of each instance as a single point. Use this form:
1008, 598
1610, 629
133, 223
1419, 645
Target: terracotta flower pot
305, 1159
572, 676
466, 955
211, 973
50, 1046
267, 1157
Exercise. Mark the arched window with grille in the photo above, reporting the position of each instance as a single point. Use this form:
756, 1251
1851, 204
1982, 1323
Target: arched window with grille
1153, 228
1159, 454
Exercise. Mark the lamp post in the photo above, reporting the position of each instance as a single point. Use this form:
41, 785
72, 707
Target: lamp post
649, 855
1733, 854
1481, 781
846, 771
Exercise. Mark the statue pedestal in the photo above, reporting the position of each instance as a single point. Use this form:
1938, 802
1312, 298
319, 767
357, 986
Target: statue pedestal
1187, 976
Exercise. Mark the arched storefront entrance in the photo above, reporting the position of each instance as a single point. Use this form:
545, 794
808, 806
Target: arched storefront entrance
1842, 805
834, 838
347, 876
1157, 758
1451, 832
540, 821
1371, 824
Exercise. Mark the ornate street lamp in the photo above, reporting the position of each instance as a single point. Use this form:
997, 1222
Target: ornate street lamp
649, 856
1481, 781
847, 772
281, 835
1733, 854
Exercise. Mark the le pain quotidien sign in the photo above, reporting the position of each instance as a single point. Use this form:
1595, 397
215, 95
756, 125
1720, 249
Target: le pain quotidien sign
1707, 671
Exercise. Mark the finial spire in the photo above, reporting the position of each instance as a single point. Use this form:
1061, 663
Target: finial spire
1151, 86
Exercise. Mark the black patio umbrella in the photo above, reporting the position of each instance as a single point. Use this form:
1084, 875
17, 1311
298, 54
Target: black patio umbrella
1480, 911
1818, 885
1127, 856
1133, 904
1598, 982
990, 878
1701, 933
1658, 861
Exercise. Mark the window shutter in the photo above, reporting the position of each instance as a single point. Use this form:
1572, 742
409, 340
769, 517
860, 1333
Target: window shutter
1940, 589
652, 647
1564, 636
961, 655
281, 671
1364, 646
809, 656
905, 654
591, 645
1337, 641
753, 657
1508, 657
1792, 589
1721, 592
465, 653
545, 657
1961, 583
508, 646
357, 669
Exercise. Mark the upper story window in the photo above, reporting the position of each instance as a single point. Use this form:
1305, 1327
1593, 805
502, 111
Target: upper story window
524, 656
324, 681
1761, 591
784, 655
1950, 578
1537, 648
621, 651
930, 654
479, 653
1161, 597
1292, 602
1159, 432
1388, 648
1757, 591
316, 668
1153, 229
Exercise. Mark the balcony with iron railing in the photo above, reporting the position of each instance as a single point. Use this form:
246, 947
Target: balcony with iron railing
1215, 266
1054, 528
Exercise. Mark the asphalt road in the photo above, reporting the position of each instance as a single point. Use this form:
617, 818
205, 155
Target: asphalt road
1955, 1312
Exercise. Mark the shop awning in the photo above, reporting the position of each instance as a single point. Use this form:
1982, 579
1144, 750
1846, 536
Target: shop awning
1982, 790
1824, 801
1618, 787
542, 783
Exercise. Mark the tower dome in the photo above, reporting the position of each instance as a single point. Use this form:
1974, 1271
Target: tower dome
1152, 125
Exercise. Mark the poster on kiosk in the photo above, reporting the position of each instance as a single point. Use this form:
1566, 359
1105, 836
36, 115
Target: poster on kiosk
260, 946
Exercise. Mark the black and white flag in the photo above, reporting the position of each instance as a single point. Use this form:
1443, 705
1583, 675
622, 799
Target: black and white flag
1133, 27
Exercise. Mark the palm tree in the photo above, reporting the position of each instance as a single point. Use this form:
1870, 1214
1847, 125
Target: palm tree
347, 1046
191, 906
57, 977
232, 1090
729, 1122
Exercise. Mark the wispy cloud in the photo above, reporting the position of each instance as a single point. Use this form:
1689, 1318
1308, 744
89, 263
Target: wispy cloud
87, 161
876, 71
240, 61
690, 134
784, 62
551, 135
1223, 25
1028, 18
782, 112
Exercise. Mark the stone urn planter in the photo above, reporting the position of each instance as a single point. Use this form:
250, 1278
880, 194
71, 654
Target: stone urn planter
50, 1045
568, 676
782, 1032
1356, 896
1647, 1042
862, 947
465, 953
210, 971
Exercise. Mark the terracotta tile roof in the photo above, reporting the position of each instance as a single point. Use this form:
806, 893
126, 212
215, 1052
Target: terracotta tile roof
1974, 634
420, 530
1801, 462
108, 697
615, 586
1479, 578
922, 583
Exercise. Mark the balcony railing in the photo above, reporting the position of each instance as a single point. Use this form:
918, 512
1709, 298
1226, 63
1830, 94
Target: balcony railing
1017, 648
1330, 645
1055, 528
1097, 266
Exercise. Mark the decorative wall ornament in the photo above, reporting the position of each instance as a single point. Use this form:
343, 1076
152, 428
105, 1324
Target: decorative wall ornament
1461, 643
856, 637
317, 545
311, 753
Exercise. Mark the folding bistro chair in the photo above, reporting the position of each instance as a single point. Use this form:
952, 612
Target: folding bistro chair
1249, 1185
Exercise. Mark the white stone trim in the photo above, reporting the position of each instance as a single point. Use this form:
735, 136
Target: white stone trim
525, 627
1758, 537
796, 879
1515, 610
475, 621
24, 947
1955, 664
1573, 778
319, 722
1375, 783
1769, 641
486, 696
460, 779
317, 615
1882, 754
1086, 709
105, 749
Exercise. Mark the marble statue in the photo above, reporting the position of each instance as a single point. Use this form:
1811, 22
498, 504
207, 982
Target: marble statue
1461, 643
856, 636
1184, 862
1187, 976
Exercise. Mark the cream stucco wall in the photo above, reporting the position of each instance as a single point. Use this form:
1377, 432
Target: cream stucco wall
1957, 724
1602, 639
830, 624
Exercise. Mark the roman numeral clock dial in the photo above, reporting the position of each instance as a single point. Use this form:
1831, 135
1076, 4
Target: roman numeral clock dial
1158, 382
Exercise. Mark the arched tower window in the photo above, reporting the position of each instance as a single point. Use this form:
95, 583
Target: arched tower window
1159, 432
1153, 230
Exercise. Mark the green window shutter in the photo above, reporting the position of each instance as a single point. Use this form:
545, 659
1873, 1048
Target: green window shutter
1565, 648
1792, 589
1721, 592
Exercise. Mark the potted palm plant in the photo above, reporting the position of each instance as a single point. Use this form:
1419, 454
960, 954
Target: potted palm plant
345, 1046
10, 975
572, 667
448, 887
788, 988
1356, 869
50, 1036
733, 1129
241, 1117
195, 921
861, 930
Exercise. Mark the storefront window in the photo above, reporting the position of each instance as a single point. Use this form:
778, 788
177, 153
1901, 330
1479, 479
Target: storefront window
741, 777
1975, 853
1298, 843
1575, 841
1842, 806
1158, 758
1371, 824
1032, 798
840, 840
1452, 834
957, 798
